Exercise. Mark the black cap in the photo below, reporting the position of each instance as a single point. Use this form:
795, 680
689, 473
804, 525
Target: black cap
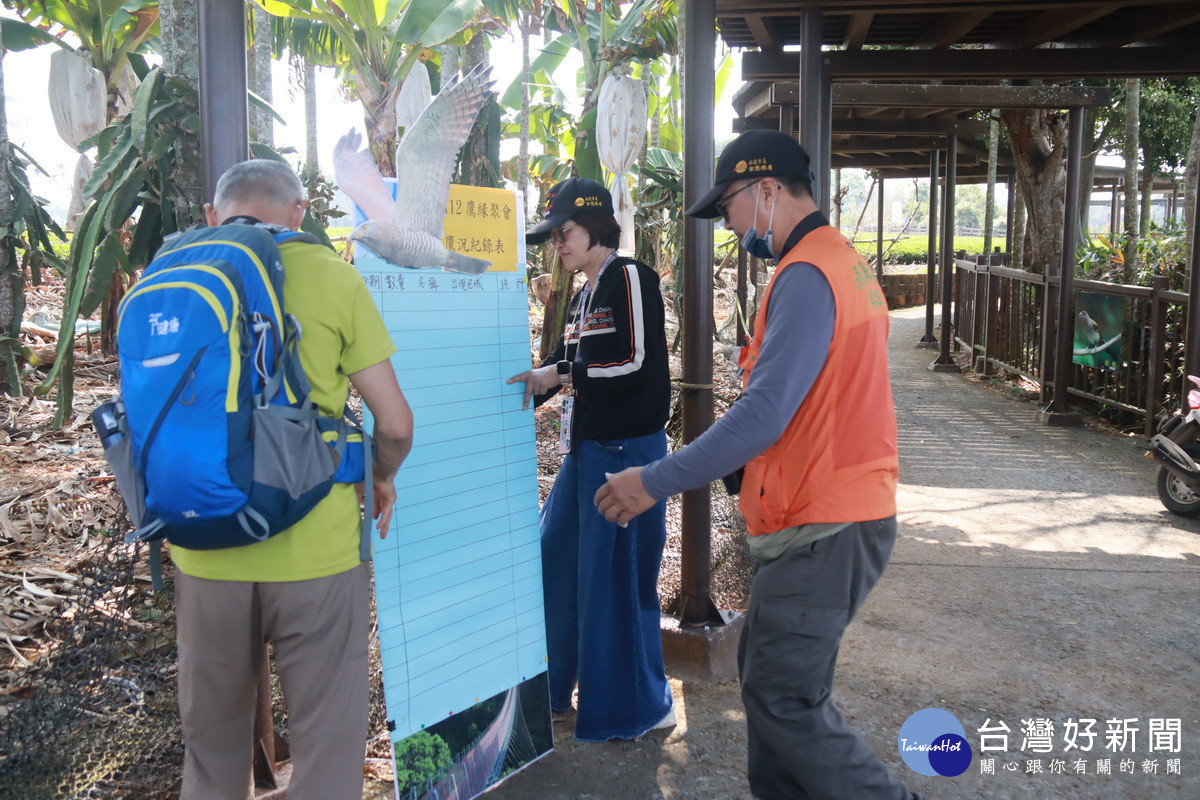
754, 154
566, 199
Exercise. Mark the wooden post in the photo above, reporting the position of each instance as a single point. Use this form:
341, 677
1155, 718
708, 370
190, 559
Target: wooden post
224, 116
879, 231
929, 340
695, 606
944, 362
1154, 377
1192, 340
1064, 341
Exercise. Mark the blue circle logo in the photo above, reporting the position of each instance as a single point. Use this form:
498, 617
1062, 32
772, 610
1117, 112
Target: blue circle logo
934, 742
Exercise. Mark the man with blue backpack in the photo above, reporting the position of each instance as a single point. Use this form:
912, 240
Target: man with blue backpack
305, 588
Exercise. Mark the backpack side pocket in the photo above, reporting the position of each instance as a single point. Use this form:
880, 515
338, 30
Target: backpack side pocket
293, 466
109, 422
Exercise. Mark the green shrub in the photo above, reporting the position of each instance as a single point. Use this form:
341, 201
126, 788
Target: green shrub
1161, 253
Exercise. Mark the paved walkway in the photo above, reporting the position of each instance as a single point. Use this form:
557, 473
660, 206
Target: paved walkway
1036, 577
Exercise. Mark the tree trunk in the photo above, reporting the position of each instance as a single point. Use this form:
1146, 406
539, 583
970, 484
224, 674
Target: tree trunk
311, 162
1018, 236
526, 24
1147, 203
555, 316
479, 162
649, 88
1039, 144
587, 155
1189, 187
179, 22
379, 115
989, 203
262, 128
1130, 150
12, 285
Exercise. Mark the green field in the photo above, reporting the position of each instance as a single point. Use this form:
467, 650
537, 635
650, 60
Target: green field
915, 249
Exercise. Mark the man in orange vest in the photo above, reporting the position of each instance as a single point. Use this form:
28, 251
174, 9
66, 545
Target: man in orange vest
816, 431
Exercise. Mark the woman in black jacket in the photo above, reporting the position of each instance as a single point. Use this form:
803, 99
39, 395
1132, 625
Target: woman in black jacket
601, 580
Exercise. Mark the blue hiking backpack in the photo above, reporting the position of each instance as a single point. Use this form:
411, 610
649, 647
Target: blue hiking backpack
214, 440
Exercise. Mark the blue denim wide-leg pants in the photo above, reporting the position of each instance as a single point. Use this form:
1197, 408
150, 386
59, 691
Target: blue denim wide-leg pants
601, 589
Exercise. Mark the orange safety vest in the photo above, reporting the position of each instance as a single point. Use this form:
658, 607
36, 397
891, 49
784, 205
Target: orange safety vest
837, 459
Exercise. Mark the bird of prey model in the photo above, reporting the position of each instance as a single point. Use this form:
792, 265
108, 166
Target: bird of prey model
407, 231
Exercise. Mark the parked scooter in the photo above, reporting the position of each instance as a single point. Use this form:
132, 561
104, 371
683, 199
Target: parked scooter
1176, 447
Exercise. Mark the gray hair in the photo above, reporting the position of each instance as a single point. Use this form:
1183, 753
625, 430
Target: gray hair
258, 179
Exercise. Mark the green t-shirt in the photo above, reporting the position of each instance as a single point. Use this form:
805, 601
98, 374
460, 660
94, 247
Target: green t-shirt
342, 334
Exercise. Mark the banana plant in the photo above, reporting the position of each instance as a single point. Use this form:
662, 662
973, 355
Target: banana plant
608, 34
135, 178
26, 248
110, 32
377, 43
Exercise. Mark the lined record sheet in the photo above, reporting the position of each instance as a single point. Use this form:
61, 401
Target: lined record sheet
458, 580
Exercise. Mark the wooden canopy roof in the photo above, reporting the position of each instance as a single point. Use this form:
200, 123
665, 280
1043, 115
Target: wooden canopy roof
993, 24
948, 58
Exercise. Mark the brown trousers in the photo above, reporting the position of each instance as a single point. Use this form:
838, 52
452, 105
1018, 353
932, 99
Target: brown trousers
319, 629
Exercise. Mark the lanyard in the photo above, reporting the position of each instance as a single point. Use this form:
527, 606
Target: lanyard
585, 304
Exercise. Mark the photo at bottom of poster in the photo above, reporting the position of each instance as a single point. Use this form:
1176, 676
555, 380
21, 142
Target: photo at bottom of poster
467, 753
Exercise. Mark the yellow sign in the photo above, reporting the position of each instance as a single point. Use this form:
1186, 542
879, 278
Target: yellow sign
482, 223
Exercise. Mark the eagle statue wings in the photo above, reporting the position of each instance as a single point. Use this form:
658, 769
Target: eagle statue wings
407, 231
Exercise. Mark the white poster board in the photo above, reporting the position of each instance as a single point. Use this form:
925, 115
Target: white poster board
458, 580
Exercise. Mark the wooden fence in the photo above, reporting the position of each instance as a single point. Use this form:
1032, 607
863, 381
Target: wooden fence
1000, 316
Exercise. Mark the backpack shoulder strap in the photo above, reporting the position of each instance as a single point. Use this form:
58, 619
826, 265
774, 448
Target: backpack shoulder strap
284, 235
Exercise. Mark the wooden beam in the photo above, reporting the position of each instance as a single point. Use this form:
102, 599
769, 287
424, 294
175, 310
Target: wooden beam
892, 161
878, 144
912, 127
862, 112
755, 99
975, 173
936, 112
1050, 25
937, 96
878, 127
1155, 23
857, 29
762, 34
794, 8
909, 95
950, 29
982, 64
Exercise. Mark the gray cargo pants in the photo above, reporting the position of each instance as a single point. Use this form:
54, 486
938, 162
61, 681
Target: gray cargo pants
320, 629
800, 748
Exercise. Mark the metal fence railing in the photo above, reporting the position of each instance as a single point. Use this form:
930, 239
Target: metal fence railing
1000, 317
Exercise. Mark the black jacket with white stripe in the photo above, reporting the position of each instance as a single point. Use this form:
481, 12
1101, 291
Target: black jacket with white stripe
621, 375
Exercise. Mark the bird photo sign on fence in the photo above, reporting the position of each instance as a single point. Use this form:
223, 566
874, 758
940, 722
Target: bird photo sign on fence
458, 580
1099, 327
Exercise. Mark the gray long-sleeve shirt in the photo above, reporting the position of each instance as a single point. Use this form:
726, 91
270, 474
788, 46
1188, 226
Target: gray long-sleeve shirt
799, 330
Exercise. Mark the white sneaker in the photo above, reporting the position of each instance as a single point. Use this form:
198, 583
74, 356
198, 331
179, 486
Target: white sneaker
668, 721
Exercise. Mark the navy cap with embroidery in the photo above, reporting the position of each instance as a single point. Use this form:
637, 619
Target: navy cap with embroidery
566, 199
754, 154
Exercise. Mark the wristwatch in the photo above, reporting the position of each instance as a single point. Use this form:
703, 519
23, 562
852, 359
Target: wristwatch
564, 371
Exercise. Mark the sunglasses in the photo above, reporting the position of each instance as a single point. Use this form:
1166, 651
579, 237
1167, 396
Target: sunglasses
560, 235
722, 205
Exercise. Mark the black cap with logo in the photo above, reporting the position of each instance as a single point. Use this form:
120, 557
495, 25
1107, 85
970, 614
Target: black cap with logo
754, 154
566, 199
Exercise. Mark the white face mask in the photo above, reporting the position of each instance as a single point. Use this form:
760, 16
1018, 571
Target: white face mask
755, 245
